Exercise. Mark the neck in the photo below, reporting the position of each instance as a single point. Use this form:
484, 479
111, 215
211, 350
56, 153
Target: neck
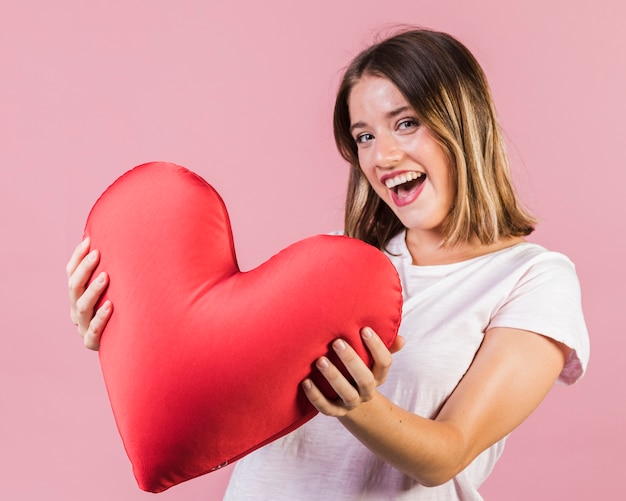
427, 249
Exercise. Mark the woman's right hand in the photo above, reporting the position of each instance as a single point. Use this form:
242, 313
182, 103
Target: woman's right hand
84, 295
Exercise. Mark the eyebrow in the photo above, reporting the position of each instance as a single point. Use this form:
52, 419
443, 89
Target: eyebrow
388, 115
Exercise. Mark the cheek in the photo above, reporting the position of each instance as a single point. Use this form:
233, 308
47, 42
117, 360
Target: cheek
369, 177
367, 174
366, 171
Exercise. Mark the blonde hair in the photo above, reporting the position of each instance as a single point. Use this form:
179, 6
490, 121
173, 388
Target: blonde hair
448, 90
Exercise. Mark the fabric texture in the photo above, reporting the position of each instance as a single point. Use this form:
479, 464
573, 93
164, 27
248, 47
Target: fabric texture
446, 311
203, 362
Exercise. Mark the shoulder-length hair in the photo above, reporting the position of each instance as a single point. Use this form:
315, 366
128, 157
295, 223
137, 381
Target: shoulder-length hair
447, 89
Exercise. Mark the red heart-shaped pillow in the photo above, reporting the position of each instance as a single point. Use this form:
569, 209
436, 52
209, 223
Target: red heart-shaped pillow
203, 362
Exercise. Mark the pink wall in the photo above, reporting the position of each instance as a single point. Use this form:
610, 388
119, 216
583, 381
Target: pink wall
242, 93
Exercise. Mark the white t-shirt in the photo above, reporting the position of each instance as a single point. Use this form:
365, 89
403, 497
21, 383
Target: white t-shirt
447, 309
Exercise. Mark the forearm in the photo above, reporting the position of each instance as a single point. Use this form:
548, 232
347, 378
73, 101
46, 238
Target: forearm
429, 451
510, 376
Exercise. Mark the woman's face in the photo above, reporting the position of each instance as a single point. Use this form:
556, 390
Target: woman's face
400, 158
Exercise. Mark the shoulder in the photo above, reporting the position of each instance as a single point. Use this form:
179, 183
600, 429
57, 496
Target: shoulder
537, 273
538, 265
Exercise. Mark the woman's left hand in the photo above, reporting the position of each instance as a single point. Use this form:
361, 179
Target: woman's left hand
367, 380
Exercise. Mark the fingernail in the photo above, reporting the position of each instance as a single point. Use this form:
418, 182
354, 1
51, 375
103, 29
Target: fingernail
85, 242
366, 333
339, 345
92, 255
100, 279
322, 363
307, 384
106, 307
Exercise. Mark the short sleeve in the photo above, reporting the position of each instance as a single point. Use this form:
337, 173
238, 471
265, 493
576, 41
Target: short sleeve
547, 300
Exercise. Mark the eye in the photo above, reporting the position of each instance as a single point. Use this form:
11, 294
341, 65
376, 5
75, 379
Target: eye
363, 138
408, 123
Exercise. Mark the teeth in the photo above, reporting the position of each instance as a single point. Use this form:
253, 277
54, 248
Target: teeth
402, 178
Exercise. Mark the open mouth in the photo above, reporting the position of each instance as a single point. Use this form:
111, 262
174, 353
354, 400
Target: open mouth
405, 186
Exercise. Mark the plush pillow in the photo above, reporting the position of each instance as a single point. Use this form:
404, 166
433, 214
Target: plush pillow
203, 362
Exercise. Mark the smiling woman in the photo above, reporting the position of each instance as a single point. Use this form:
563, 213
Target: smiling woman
489, 321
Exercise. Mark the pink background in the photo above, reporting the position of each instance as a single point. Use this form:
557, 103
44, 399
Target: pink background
241, 92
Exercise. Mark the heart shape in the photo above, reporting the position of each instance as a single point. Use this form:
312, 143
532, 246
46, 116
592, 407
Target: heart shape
202, 362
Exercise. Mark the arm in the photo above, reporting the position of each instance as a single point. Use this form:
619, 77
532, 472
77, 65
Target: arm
84, 295
510, 375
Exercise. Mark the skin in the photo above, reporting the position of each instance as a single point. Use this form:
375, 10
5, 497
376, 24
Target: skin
84, 295
511, 373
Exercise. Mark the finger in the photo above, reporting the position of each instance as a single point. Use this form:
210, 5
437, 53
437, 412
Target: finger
363, 377
96, 326
79, 278
346, 392
78, 255
320, 402
83, 308
380, 353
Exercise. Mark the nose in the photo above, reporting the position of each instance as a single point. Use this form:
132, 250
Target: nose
388, 152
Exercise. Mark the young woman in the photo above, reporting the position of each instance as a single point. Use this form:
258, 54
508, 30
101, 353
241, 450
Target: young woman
489, 323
